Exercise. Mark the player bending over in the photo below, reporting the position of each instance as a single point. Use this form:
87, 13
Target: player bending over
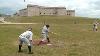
26, 38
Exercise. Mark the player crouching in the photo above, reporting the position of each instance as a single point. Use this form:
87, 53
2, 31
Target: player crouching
26, 38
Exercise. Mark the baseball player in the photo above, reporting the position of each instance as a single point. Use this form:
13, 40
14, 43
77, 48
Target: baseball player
95, 26
45, 31
26, 38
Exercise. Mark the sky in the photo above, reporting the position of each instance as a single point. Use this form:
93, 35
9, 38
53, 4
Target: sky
83, 8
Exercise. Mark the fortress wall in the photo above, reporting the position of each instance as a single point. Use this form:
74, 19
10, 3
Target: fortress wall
70, 12
61, 11
35, 10
47, 11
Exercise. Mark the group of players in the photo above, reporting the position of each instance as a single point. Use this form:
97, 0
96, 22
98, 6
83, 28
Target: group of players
26, 38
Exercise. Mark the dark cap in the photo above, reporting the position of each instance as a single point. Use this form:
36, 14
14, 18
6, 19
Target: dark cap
29, 29
47, 26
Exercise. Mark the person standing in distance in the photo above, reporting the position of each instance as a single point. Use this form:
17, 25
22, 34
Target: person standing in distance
26, 38
95, 26
45, 31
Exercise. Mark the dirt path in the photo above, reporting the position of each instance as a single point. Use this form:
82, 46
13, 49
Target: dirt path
18, 23
5, 22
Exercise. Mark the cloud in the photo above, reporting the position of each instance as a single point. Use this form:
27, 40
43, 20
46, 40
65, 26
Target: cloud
87, 8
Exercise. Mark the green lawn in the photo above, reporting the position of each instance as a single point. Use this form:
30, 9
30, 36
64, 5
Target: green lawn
71, 39
52, 19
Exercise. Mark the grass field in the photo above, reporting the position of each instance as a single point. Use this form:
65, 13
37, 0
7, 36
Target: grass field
0, 22
51, 19
71, 39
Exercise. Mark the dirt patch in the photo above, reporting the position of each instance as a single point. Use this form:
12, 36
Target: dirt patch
19, 23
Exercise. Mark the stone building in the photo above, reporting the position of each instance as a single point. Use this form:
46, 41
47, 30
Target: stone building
35, 10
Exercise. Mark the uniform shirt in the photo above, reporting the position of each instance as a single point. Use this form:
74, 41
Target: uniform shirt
95, 25
27, 34
45, 30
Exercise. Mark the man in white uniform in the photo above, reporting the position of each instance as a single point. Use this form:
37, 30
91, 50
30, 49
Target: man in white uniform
45, 31
26, 38
95, 26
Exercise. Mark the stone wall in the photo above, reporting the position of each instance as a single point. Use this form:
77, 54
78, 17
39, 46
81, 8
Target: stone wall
35, 10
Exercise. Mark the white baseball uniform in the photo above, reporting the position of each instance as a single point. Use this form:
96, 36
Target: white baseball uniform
45, 31
26, 37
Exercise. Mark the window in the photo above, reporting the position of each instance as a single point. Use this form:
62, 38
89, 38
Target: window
68, 14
